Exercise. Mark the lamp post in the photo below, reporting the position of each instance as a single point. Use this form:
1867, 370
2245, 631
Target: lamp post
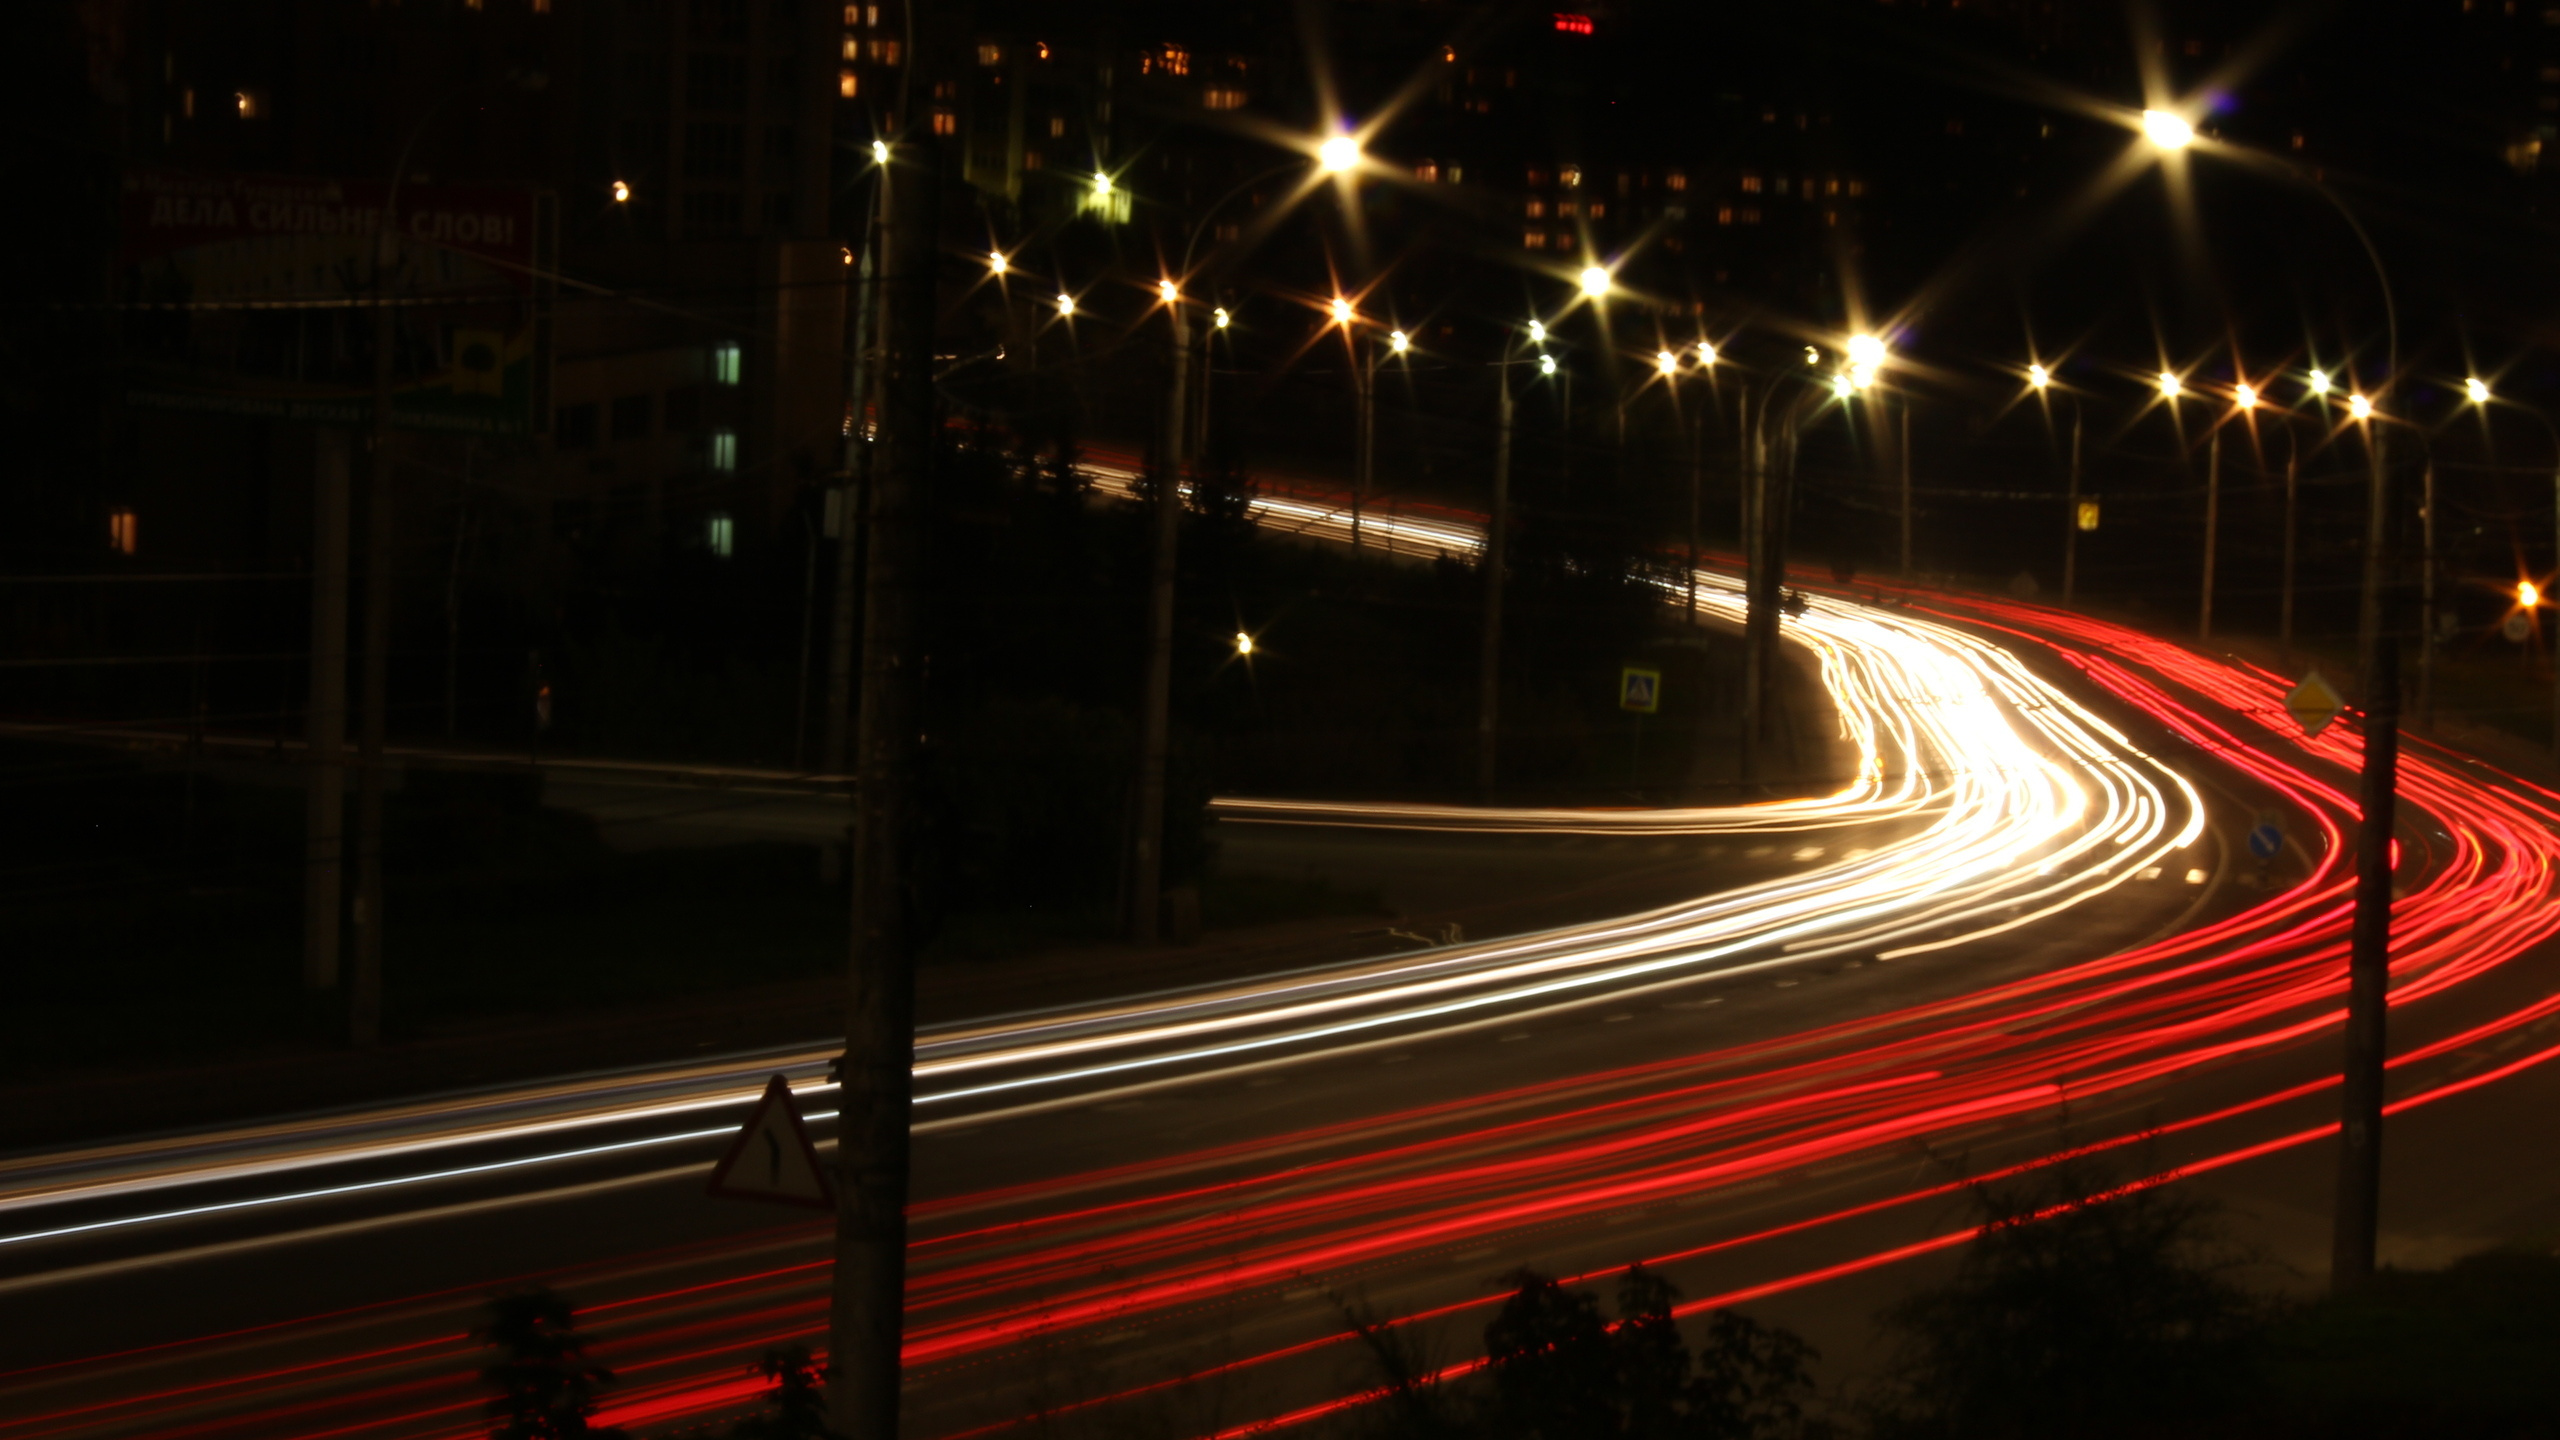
2476, 390
2368, 968
2040, 379
1146, 869
1768, 490
1496, 548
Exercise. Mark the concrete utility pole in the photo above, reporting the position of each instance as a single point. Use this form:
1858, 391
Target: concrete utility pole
2212, 530
325, 754
1364, 373
364, 990
2292, 523
2427, 601
1770, 480
1146, 900
1697, 482
1496, 545
867, 1310
1905, 452
857, 399
2368, 965
2071, 515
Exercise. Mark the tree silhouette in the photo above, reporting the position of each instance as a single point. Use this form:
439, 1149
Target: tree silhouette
546, 1385
798, 1402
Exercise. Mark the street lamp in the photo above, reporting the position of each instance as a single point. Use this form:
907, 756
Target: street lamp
879, 152
1706, 352
2167, 131
996, 263
1339, 154
2039, 377
2245, 396
2477, 389
2171, 387
2359, 407
1546, 364
1066, 305
1244, 643
2318, 384
1538, 334
1220, 318
1343, 313
621, 192
1397, 341
1168, 292
1595, 281
1665, 363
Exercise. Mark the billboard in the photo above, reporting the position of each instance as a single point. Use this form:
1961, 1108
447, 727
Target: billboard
260, 295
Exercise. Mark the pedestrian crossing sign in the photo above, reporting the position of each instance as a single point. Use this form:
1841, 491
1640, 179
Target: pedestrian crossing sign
1639, 689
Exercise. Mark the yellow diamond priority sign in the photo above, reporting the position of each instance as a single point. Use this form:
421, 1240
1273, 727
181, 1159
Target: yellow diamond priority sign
2314, 703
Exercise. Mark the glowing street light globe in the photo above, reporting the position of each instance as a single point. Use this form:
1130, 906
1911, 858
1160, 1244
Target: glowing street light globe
1338, 154
2246, 397
1168, 292
1866, 350
1343, 314
1666, 362
621, 192
2360, 407
1842, 386
879, 152
2038, 376
1595, 280
2167, 131
2170, 386
1537, 332
1706, 352
1397, 340
996, 263
1066, 303
2477, 389
1220, 318
1244, 643
1546, 364
2319, 382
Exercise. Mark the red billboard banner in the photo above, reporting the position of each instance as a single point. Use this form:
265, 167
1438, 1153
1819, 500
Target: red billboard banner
262, 294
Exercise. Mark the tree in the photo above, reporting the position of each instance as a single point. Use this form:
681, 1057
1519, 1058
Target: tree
2074, 1315
1560, 1372
798, 1401
546, 1385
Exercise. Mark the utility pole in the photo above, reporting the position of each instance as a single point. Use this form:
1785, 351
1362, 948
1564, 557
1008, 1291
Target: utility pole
1365, 379
1697, 481
2427, 601
325, 753
867, 1308
2292, 521
1772, 458
1496, 540
2212, 529
1905, 451
2071, 515
1156, 720
857, 401
364, 990
2368, 964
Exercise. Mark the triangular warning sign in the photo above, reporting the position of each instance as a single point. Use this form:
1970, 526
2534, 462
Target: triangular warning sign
772, 1158
2314, 703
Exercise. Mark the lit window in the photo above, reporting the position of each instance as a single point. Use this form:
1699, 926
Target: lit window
1534, 240
885, 51
1857, 187
541, 7
1031, 160
120, 530
1223, 97
1427, 172
1057, 127
720, 534
187, 103
724, 364
1676, 180
724, 451
1564, 210
1750, 214
1596, 209
945, 123
1537, 209
1177, 61
848, 84
990, 54
852, 15
852, 48
1724, 214
1570, 176
1750, 183
871, 16
1537, 178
